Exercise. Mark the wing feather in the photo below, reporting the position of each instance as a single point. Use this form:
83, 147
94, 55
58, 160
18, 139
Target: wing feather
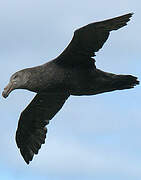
90, 38
31, 131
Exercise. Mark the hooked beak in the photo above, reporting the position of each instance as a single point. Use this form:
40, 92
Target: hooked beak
7, 90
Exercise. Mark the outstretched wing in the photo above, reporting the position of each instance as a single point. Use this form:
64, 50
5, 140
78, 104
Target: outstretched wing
31, 131
90, 38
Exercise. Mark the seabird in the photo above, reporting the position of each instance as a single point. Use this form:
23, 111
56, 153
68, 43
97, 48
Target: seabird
73, 72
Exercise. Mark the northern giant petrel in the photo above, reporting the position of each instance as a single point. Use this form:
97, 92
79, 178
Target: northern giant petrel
71, 73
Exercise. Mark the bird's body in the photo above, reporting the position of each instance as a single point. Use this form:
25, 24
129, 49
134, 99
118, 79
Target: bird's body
72, 73
78, 80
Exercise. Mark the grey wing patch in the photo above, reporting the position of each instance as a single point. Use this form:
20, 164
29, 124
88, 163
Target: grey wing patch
31, 131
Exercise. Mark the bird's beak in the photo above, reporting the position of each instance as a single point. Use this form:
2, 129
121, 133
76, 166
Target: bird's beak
7, 90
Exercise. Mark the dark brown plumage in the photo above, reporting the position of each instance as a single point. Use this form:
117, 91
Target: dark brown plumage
72, 73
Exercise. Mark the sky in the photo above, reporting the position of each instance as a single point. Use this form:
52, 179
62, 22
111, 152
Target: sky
95, 137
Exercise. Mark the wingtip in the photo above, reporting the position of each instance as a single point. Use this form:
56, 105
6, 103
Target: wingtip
130, 14
27, 162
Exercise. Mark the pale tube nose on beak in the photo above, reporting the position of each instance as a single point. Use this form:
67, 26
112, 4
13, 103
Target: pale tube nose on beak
7, 90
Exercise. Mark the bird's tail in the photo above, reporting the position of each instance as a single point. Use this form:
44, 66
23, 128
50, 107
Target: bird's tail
119, 82
107, 82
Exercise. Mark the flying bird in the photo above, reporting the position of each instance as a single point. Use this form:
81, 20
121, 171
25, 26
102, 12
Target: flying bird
73, 72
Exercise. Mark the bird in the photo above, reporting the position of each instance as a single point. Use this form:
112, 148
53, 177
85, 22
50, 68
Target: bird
73, 72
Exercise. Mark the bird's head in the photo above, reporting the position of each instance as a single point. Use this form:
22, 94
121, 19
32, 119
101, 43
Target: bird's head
18, 80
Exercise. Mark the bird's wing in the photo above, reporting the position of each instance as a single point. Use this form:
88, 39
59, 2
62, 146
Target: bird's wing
31, 131
90, 38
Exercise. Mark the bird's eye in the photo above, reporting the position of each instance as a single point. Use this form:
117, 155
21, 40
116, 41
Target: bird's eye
15, 76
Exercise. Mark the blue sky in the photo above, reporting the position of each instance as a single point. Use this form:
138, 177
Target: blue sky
96, 137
